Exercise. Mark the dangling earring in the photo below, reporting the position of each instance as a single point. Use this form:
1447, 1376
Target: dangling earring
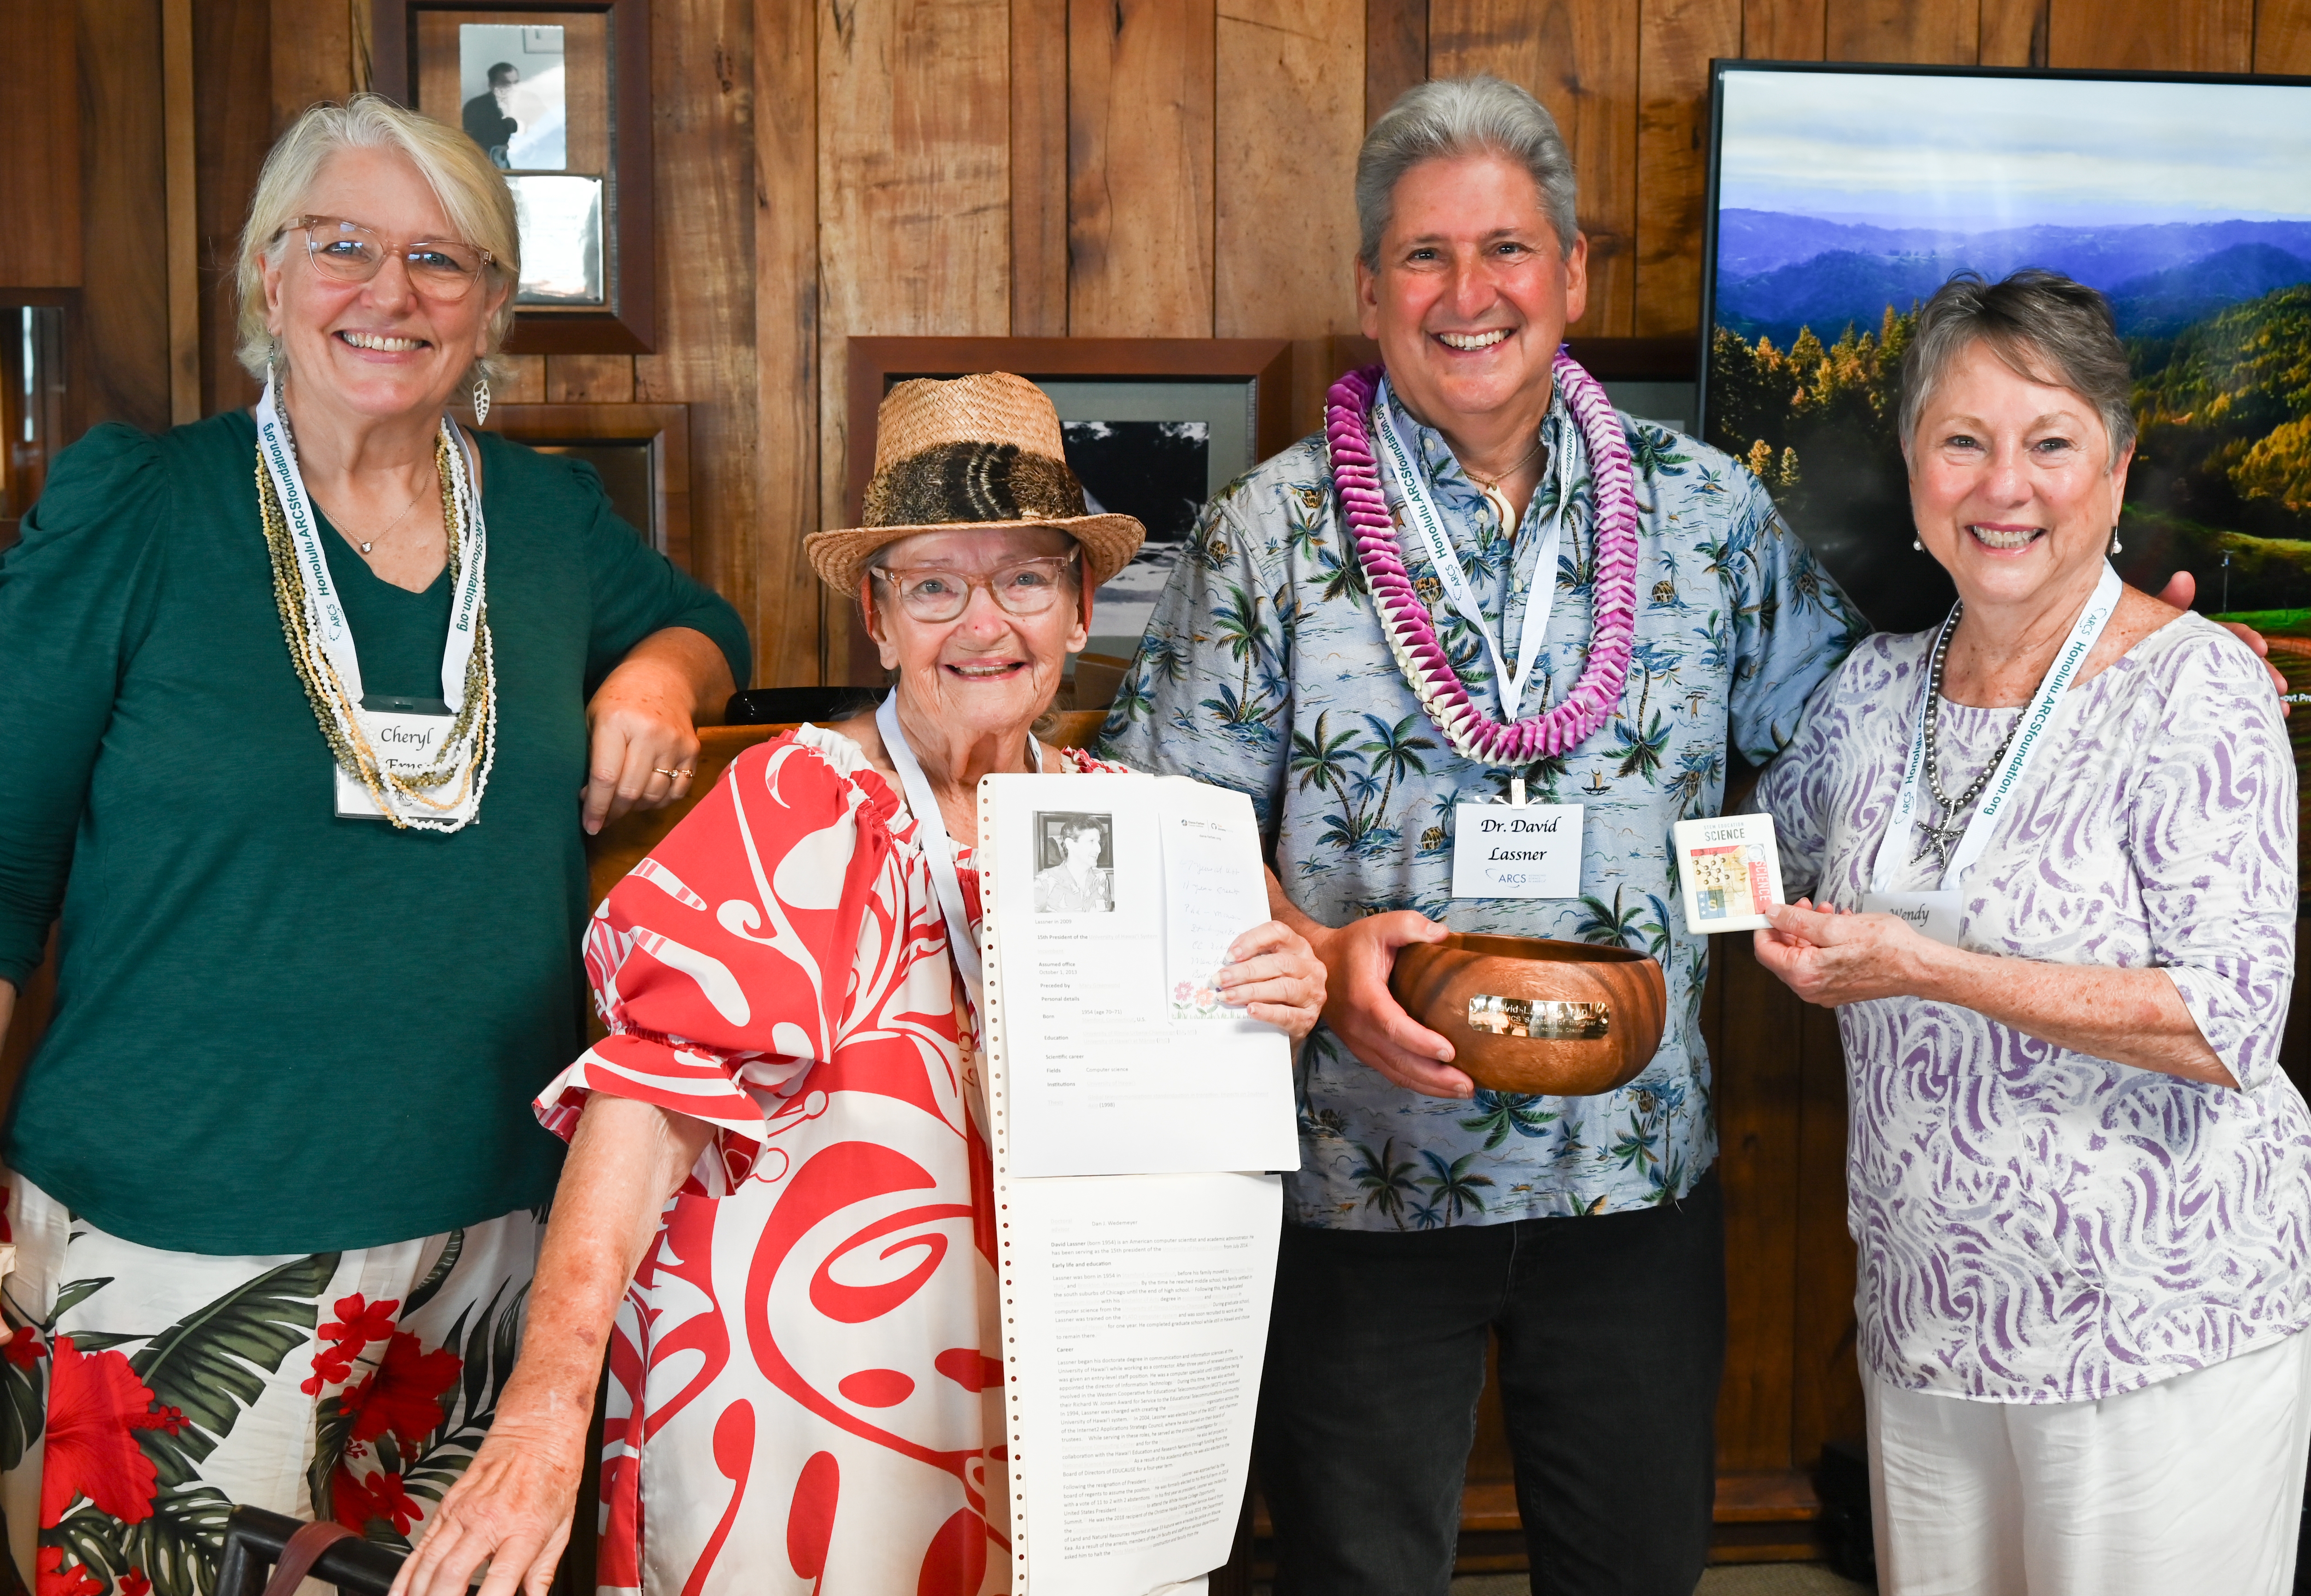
2114, 544
1917, 545
482, 402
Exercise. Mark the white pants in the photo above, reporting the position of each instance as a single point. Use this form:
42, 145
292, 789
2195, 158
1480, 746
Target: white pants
2193, 1485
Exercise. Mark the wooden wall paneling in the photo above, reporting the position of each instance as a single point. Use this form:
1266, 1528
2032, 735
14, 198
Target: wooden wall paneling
232, 129
914, 201
1826, 1396
312, 56
702, 165
1580, 57
1756, 1094
2014, 32
1289, 83
1679, 40
1941, 33
40, 179
2152, 35
1784, 29
2282, 36
524, 382
589, 379
1038, 169
119, 359
1396, 52
789, 630
1140, 168
183, 181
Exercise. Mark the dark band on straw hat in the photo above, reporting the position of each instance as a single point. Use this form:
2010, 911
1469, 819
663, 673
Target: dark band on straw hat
971, 483
978, 451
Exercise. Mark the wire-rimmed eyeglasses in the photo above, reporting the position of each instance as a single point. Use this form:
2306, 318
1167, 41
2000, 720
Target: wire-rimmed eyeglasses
349, 252
1024, 587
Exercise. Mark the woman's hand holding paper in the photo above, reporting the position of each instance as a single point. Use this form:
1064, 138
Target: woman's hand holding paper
1273, 972
1832, 956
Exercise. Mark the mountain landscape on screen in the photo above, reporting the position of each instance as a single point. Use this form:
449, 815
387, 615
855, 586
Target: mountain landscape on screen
1778, 272
1844, 199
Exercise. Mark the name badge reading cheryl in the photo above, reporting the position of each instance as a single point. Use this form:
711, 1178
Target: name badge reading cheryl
1516, 851
408, 743
1940, 915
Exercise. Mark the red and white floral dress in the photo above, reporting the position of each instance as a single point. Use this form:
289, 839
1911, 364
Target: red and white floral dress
805, 1392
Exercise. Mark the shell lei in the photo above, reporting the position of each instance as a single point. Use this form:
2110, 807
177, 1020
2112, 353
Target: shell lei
1474, 733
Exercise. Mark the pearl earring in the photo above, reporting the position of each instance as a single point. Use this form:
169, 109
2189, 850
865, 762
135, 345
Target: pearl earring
2114, 544
1917, 545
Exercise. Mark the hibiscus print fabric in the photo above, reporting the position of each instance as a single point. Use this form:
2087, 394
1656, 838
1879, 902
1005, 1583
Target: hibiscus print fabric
805, 1387
145, 1394
1265, 669
2036, 1225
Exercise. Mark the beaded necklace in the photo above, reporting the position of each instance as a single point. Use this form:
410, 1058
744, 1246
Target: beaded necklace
423, 800
1941, 839
1473, 733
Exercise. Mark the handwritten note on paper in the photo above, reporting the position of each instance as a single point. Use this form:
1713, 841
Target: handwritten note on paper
1209, 900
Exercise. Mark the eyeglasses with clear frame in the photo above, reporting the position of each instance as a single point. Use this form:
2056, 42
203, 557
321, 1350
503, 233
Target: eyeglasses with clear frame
348, 252
1024, 587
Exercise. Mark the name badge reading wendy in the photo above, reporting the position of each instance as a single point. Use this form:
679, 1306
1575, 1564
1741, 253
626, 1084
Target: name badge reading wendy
409, 735
1516, 851
1940, 915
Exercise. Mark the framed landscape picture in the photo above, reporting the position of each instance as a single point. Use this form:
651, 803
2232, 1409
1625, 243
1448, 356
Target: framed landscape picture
1842, 197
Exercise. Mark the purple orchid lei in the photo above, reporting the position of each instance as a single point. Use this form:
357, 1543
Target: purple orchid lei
1473, 733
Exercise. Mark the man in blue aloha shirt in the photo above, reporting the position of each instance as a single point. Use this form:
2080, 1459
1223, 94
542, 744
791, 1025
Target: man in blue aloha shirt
1583, 1231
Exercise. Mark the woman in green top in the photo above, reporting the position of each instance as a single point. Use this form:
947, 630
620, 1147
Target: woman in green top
272, 1176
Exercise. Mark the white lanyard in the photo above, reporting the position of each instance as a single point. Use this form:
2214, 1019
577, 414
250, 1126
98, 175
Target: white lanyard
1427, 520
468, 539
1893, 848
938, 847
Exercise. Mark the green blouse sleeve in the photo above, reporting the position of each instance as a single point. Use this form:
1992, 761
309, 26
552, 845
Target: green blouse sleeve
74, 595
637, 590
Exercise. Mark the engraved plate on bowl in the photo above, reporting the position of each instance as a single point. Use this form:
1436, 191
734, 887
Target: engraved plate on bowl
1545, 1018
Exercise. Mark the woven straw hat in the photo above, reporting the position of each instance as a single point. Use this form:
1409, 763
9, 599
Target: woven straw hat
978, 451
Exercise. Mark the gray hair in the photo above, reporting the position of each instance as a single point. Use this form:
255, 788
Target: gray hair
1454, 116
473, 192
2044, 325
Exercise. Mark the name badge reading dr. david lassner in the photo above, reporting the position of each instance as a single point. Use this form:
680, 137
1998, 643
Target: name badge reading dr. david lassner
1516, 851
1730, 870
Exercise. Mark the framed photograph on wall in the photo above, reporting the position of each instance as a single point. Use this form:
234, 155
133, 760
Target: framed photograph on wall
641, 452
558, 95
1153, 427
1841, 196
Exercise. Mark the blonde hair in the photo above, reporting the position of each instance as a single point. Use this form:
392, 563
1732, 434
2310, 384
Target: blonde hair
471, 190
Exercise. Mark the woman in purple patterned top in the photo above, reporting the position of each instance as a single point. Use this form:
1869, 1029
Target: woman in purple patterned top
2080, 1181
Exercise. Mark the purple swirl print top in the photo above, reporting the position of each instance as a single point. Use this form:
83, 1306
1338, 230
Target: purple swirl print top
2038, 1225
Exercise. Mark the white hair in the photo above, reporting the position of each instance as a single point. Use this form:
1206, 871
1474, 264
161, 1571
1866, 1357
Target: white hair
472, 191
1456, 117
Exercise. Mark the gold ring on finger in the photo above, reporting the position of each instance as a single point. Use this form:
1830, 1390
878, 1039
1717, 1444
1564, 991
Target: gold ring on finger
662, 771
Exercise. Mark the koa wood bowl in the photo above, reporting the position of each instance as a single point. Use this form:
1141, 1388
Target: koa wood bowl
1531, 1015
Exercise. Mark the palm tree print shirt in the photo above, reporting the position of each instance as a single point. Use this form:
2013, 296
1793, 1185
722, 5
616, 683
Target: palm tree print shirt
1264, 669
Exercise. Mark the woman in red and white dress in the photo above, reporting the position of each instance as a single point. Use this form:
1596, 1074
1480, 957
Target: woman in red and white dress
806, 1392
